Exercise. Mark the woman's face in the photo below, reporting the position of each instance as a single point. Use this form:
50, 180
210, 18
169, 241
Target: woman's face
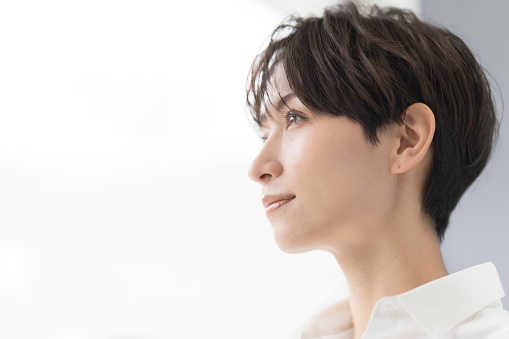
341, 183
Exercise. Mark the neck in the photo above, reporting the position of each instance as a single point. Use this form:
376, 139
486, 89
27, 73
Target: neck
392, 263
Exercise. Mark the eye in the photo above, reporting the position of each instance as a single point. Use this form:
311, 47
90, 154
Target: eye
262, 135
292, 117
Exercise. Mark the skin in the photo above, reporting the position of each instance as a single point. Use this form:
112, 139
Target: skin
359, 202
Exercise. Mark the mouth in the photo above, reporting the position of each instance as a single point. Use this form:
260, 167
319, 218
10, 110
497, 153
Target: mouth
276, 205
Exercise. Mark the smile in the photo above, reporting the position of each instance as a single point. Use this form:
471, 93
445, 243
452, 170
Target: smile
275, 206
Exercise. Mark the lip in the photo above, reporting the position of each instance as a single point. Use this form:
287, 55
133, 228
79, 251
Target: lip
273, 202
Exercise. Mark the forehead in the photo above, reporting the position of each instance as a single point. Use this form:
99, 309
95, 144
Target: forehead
278, 93
278, 83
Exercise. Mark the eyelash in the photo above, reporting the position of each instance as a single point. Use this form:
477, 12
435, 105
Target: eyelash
286, 116
289, 114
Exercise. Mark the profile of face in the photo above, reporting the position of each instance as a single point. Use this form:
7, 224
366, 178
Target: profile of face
341, 184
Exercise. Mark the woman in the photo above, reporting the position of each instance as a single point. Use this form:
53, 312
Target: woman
374, 125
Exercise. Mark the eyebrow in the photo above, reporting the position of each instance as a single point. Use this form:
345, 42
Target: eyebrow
282, 100
279, 104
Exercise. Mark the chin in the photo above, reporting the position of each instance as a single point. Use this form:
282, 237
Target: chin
292, 244
292, 249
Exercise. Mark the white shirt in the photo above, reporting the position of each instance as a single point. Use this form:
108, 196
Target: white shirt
463, 305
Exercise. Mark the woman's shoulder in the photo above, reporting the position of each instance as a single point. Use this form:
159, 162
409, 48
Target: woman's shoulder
329, 322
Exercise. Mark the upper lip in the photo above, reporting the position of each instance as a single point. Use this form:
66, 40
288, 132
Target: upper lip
268, 200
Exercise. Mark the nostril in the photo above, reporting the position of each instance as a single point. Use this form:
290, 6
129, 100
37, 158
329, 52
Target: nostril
265, 175
262, 169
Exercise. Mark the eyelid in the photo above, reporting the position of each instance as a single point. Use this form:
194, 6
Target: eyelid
286, 115
291, 112
262, 136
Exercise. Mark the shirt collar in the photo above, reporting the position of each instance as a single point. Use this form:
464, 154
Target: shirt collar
436, 306
443, 303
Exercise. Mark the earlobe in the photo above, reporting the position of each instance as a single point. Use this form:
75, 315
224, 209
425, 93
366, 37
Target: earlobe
414, 138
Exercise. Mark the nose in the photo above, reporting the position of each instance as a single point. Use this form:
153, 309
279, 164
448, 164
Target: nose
265, 166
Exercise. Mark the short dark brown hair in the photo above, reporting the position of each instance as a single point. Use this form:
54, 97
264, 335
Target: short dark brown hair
370, 65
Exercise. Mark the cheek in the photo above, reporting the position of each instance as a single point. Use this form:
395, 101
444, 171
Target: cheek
307, 163
343, 181
338, 185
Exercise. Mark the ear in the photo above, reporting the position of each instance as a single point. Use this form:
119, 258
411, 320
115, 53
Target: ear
414, 137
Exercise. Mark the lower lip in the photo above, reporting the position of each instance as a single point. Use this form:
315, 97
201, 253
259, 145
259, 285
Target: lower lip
276, 206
